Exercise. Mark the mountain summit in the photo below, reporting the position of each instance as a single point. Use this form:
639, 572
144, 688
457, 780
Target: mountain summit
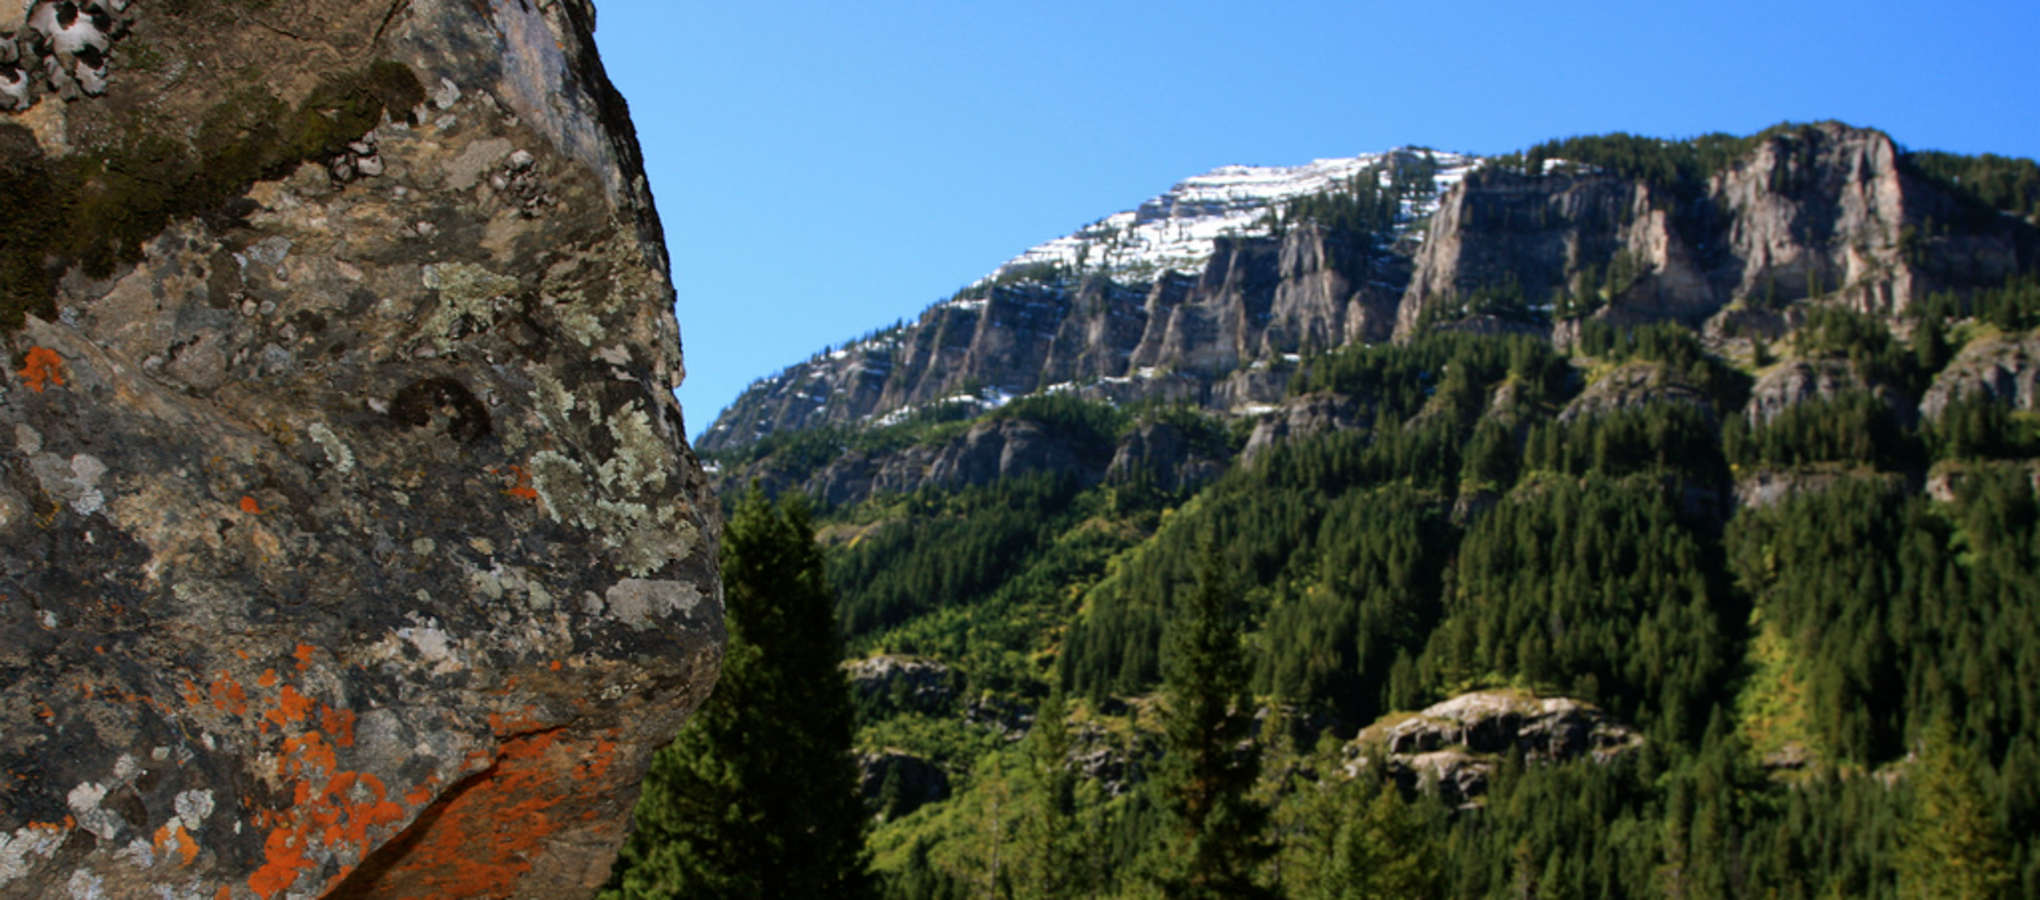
1209, 292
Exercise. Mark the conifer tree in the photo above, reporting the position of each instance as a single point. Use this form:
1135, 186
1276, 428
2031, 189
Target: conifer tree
1953, 846
1051, 865
757, 796
1213, 836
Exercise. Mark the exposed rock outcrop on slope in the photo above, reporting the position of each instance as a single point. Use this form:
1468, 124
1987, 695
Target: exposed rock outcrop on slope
1818, 210
1454, 744
1309, 290
352, 546
2006, 369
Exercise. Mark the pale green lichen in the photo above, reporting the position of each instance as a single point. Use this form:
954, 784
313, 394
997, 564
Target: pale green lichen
469, 297
337, 452
641, 456
553, 402
580, 324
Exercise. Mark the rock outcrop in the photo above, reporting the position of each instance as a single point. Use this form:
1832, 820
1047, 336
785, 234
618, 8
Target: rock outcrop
352, 545
1301, 417
2004, 369
1800, 381
894, 784
885, 684
1824, 210
1454, 744
1258, 298
1632, 386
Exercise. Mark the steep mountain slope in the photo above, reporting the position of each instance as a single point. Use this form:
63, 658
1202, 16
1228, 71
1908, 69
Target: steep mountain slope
1778, 539
1199, 292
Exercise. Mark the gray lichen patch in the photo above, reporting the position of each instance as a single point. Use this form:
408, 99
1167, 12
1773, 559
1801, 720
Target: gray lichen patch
470, 297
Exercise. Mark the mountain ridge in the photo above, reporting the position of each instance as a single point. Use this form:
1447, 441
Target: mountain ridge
1824, 210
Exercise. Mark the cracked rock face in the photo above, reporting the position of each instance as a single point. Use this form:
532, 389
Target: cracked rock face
349, 541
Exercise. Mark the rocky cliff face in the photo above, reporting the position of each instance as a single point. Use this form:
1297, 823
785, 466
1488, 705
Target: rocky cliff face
1258, 298
1824, 210
352, 546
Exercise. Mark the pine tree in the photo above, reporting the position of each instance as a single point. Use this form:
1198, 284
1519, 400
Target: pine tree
1953, 846
1214, 834
757, 796
1051, 863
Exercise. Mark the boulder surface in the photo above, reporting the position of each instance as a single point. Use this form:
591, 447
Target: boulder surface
352, 545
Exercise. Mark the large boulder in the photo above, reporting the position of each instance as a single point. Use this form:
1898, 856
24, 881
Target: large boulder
351, 542
1455, 744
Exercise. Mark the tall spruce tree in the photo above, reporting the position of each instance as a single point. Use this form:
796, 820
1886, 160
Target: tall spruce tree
1214, 836
1052, 865
757, 796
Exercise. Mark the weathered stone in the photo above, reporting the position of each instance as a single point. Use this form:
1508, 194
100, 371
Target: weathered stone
1301, 417
1632, 386
901, 683
917, 782
1453, 745
1165, 456
351, 543
2004, 369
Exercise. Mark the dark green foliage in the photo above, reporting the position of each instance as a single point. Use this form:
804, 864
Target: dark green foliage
1362, 204
1380, 557
1053, 851
757, 796
1866, 342
1902, 609
95, 207
2013, 306
1662, 436
953, 550
1988, 181
1856, 427
1212, 835
1978, 426
1088, 425
1590, 588
1458, 535
1675, 346
1681, 165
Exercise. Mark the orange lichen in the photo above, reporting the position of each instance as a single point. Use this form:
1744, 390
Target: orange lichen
249, 506
336, 809
268, 678
520, 486
229, 696
42, 367
505, 726
486, 836
555, 665
172, 836
304, 656
339, 723
291, 706
423, 793
283, 858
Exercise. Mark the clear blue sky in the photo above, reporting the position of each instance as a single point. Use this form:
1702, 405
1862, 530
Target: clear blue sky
824, 168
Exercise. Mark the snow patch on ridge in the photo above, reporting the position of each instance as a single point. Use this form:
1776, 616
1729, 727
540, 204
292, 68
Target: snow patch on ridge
1176, 231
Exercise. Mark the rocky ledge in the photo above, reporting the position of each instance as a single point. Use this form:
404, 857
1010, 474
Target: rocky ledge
1455, 746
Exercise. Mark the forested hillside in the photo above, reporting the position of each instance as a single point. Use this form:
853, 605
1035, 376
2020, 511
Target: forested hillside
1604, 607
